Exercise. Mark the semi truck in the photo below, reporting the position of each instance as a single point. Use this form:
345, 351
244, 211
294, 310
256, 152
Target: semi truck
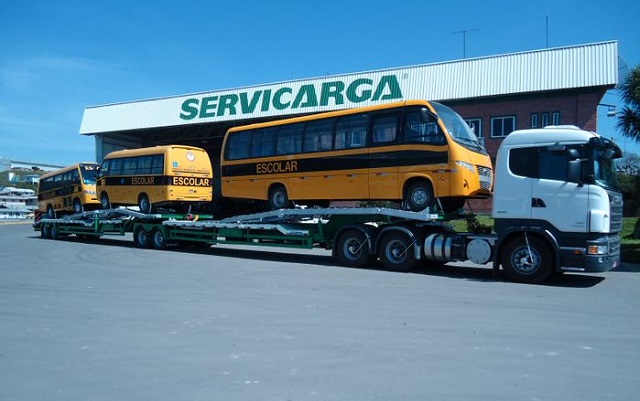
555, 206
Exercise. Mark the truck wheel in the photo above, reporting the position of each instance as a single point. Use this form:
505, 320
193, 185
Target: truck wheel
278, 198
396, 252
45, 231
53, 231
419, 196
77, 206
527, 264
352, 249
141, 238
158, 239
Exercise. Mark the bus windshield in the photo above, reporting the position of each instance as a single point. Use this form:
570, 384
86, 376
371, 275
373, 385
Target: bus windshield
89, 175
457, 127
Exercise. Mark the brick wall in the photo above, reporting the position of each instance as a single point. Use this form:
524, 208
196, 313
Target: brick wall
577, 108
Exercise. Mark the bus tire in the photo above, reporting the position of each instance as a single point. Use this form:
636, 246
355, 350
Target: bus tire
141, 238
144, 205
158, 240
527, 264
278, 198
419, 196
353, 249
104, 201
77, 206
51, 214
396, 251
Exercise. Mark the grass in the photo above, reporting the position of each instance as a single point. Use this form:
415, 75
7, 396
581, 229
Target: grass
630, 247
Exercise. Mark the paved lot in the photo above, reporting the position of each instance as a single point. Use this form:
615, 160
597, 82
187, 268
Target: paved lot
105, 321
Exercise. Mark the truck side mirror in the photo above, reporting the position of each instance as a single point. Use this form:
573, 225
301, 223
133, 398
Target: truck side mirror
573, 171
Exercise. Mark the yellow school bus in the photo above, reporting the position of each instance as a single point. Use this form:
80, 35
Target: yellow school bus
68, 190
418, 152
171, 175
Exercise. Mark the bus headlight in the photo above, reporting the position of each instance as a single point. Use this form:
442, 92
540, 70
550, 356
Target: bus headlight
89, 192
466, 165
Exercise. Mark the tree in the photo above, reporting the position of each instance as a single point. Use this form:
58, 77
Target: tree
629, 163
629, 120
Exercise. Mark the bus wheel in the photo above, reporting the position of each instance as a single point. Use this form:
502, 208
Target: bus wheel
396, 252
158, 239
352, 249
419, 196
51, 214
77, 206
278, 198
527, 260
104, 201
141, 238
144, 205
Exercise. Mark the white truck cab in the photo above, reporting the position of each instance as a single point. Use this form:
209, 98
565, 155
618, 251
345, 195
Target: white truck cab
555, 203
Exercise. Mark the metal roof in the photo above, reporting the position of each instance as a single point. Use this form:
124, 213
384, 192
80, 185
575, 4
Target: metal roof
562, 68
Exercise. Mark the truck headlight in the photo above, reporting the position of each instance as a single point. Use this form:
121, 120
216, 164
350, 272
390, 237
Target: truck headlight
595, 249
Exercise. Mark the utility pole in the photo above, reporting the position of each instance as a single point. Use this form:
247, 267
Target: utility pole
464, 40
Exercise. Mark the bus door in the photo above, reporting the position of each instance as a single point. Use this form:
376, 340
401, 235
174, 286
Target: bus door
383, 156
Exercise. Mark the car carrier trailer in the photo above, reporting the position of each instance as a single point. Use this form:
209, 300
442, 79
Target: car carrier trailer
555, 206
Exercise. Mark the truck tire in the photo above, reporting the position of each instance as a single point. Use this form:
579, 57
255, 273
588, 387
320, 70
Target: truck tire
527, 264
396, 252
353, 248
141, 238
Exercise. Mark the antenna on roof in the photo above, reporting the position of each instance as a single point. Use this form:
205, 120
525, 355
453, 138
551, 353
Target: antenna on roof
464, 40
546, 23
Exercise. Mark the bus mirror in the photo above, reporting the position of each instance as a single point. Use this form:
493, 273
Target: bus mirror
427, 116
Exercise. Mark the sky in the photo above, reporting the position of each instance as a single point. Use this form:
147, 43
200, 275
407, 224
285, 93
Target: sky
59, 57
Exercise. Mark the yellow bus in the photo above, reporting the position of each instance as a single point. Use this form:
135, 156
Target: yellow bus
418, 152
68, 190
171, 175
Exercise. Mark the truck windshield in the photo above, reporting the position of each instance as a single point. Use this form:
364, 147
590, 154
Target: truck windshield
457, 127
605, 170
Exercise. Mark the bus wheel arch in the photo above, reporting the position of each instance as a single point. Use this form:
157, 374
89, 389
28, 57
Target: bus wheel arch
418, 194
278, 198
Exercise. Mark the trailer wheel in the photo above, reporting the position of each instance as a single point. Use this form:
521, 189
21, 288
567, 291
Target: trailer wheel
77, 206
352, 248
530, 263
396, 251
141, 238
53, 231
278, 198
45, 232
158, 239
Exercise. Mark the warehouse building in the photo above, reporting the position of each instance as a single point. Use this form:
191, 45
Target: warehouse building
495, 94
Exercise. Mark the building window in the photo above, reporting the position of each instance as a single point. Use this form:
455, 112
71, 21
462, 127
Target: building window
545, 119
555, 118
534, 120
476, 125
502, 126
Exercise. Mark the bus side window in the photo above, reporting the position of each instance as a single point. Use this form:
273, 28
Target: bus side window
318, 135
351, 131
144, 165
289, 140
157, 164
385, 128
416, 130
129, 165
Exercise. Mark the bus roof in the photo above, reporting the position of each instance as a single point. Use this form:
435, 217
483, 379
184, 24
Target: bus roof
153, 150
68, 168
329, 114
